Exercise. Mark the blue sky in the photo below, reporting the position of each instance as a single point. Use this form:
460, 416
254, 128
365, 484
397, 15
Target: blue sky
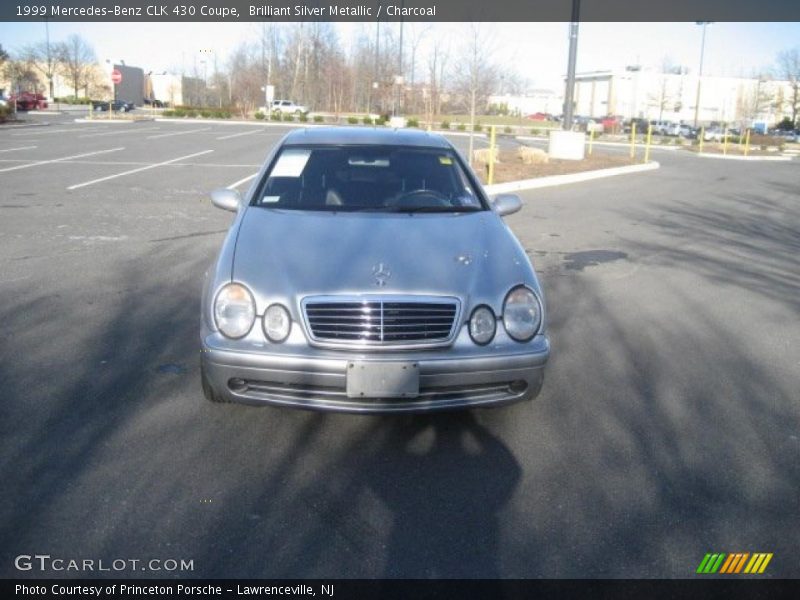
537, 51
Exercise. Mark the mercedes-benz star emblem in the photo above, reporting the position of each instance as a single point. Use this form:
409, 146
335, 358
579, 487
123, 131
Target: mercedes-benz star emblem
381, 273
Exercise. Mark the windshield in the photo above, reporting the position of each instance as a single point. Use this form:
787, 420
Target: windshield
369, 179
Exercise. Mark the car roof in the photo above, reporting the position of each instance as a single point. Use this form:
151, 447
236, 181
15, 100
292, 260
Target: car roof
378, 136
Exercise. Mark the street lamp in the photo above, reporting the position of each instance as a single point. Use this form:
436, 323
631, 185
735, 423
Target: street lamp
573, 55
700, 72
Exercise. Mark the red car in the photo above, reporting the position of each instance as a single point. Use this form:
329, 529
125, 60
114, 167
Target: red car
540, 116
29, 101
612, 123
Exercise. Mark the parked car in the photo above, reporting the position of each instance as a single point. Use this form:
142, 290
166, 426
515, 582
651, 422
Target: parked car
28, 101
713, 134
116, 105
287, 107
789, 136
661, 127
540, 116
612, 123
368, 271
641, 125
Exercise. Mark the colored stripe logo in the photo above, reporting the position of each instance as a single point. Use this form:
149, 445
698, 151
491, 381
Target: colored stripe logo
735, 563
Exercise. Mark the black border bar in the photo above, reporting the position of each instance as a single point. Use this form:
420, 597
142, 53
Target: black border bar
392, 10
405, 589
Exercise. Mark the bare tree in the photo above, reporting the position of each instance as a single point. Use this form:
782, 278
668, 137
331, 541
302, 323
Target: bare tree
755, 100
43, 58
789, 70
664, 97
77, 59
438, 58
416, 35
475, 74
20, 75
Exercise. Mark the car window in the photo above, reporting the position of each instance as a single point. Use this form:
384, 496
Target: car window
369, 179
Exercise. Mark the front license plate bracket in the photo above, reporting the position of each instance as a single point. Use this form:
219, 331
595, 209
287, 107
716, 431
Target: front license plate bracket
382, 379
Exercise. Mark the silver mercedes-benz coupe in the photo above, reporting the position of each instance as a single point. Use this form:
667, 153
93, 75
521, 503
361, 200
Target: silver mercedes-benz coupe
367, 271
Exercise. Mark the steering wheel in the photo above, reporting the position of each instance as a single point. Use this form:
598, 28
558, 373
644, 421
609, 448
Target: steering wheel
420, 197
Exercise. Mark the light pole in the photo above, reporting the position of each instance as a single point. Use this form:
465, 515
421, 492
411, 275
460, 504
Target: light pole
573, 55
700, 72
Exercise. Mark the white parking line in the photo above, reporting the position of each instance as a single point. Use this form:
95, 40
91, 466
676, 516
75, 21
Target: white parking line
236, 184
227, 137
48, 130
55, 160
163, 135
161, 164
135, 163
21, 148
118, 132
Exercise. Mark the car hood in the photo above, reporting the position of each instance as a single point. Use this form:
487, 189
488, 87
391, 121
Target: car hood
284, 255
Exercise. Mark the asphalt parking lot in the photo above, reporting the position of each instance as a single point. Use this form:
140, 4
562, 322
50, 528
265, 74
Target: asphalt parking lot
668, 426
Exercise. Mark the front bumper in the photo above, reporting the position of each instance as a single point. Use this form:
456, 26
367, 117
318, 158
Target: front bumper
461, 376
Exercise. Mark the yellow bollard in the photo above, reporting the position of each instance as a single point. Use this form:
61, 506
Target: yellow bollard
725, 142
747, 143
591, 140
492, 151
647, 146
702, 135
633, 140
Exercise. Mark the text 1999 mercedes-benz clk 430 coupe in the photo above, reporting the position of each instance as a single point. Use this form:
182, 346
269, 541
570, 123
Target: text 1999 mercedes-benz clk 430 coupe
367, 271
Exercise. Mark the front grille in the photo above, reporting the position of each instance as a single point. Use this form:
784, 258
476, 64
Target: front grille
379, 321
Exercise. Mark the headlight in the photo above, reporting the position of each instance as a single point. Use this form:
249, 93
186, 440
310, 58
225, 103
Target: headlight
234, 310
522, 314
277, 323
482, 325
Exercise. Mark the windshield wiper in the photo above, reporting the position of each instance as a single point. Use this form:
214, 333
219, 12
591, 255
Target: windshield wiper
432, 209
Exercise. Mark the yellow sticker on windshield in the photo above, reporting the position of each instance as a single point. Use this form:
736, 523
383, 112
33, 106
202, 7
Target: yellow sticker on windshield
445, 160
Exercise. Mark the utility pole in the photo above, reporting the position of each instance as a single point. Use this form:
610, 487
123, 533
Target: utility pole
400, 81
700, 73
573, 55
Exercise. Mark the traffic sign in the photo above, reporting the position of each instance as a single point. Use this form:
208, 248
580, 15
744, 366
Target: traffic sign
116, 76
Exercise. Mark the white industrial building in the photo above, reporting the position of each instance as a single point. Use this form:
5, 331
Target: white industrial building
649, 94
537, 100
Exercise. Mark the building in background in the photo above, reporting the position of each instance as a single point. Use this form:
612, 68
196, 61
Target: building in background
534, 101
654, 95
131, 88
175, 90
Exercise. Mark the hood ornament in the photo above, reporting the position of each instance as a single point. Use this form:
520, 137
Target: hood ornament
381, 273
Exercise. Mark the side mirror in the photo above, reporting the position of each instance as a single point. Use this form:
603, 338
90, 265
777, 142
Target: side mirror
226, 199
506, 204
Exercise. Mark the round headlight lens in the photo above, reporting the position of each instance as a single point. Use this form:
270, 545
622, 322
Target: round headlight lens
277, 323
482, 325
234, 310
522, 314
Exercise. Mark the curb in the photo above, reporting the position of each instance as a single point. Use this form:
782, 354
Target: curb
756, 158
533, 138
24, 126
456, 133
237, 122
101, 120
555, 180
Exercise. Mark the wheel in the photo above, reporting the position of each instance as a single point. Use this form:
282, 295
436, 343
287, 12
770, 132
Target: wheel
208, 390
298, 113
